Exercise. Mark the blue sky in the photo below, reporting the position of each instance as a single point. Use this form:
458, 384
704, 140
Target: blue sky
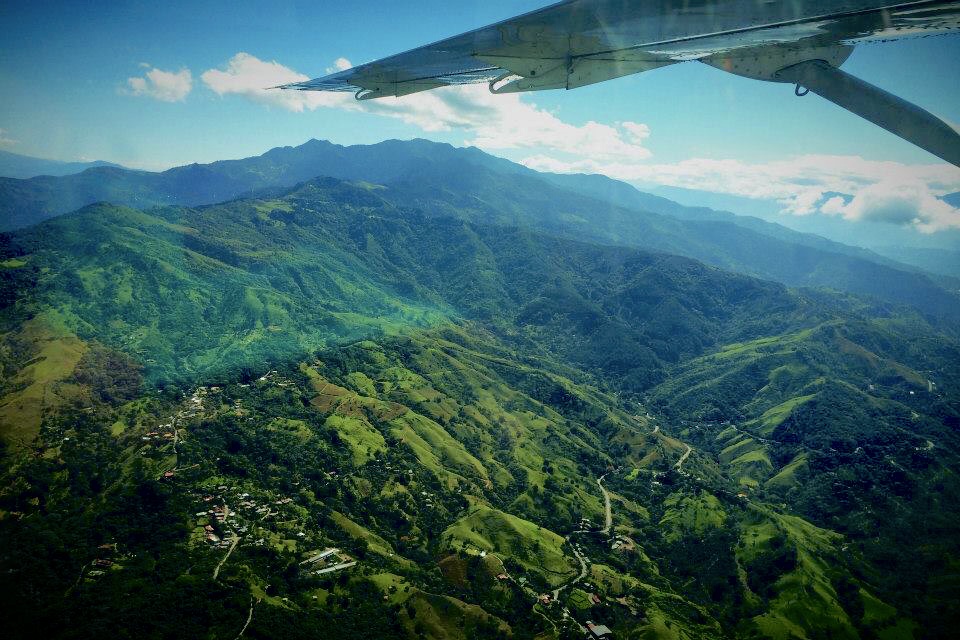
66, 70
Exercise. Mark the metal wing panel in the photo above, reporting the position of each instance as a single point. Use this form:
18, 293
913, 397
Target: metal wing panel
661, 30
447, 62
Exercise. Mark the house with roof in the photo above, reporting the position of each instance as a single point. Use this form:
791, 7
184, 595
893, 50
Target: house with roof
599, 630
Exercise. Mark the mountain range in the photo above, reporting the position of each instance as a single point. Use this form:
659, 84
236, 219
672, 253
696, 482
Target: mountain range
439, 395
934, 252
441, 180
14, 165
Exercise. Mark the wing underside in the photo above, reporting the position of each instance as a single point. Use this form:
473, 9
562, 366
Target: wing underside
628, 37
580, 42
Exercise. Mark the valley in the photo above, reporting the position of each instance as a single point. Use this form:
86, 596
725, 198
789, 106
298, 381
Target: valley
348, 409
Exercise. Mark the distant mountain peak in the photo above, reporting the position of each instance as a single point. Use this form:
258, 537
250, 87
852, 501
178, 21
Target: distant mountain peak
466, 183
15, 165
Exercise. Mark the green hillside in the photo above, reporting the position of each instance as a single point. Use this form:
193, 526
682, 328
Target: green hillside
467, 184
194, 291
329, 413
852, 425
289, 440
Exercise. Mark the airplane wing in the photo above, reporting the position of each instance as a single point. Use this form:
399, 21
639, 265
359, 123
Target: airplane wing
580, 42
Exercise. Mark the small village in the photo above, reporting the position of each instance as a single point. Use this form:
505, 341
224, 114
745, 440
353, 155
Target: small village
228, 516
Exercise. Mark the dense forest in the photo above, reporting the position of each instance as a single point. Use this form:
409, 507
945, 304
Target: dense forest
337, 409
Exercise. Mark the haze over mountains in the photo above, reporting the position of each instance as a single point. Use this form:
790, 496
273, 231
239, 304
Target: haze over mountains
437, 367
14, 165
445, 181
935, 252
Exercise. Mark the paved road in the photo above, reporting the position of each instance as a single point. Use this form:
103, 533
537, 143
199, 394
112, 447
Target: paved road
527, 590
608, 524
79, 578
253, 603
683, 458
176, 443
608, 512
545, 617
754, 436
233, 545
583, 567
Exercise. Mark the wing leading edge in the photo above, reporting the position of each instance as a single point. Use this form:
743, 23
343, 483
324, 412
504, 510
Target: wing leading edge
580, 42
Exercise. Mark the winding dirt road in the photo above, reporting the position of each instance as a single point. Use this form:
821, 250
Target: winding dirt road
608, 524
583, 568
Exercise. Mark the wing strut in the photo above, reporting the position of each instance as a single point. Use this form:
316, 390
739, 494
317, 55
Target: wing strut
886, 110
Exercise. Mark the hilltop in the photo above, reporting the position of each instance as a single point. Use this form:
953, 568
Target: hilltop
443, 181
14, 165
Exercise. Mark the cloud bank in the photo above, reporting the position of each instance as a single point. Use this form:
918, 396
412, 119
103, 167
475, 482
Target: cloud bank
166, 86
5, 140
876, 191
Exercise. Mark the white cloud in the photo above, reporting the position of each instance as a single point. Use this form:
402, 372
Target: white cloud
6, 141
250, 77
168, 86
903, 204
340, 64
806, 185
490, 122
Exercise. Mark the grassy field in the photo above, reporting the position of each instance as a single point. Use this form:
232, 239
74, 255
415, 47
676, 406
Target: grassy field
42, 383
447, 618
536, 549
691, 514
375, 543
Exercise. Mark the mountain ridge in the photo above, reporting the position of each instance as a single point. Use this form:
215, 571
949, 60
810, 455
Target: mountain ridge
15, 165
443, 180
